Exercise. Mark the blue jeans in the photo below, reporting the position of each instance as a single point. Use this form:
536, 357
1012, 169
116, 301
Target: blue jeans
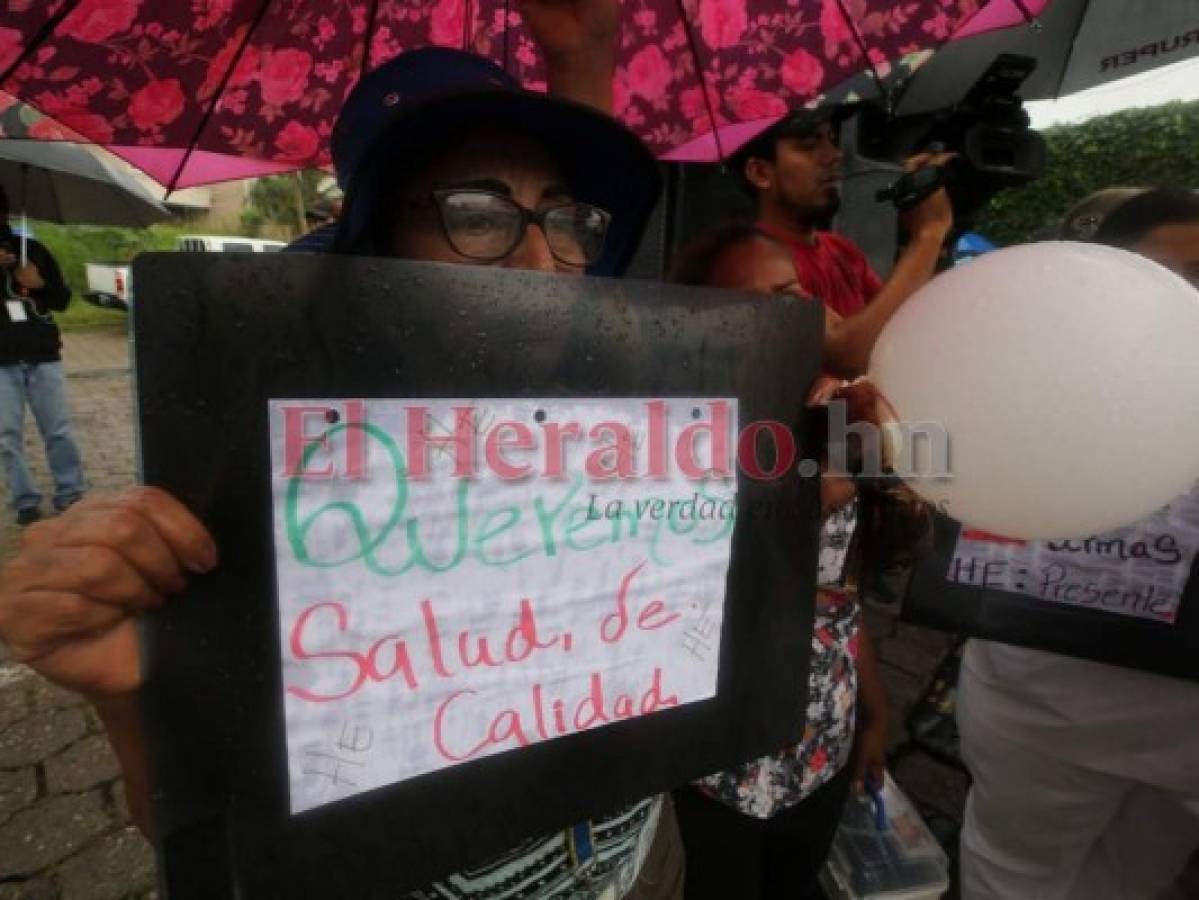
43, 386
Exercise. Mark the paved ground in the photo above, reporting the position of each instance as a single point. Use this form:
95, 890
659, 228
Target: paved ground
64, 829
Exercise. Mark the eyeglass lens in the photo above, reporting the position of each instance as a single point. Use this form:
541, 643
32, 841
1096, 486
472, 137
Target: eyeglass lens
486, 226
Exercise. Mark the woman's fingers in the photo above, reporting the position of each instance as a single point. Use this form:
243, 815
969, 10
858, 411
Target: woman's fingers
94, 572
182, 532
70, 598
99, 540
102, 664
823, 390
152, 532
44, 620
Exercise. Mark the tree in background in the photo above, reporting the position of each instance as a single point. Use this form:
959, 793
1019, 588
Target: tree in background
76, 245
1148, 147
277, 203
274, 208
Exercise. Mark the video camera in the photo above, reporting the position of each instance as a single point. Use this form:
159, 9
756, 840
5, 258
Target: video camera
988, 129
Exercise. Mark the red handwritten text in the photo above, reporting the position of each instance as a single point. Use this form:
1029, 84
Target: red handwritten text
541, 718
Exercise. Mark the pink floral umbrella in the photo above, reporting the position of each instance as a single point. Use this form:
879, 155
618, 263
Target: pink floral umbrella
197, 91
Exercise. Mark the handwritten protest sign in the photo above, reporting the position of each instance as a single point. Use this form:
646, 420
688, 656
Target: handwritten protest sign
1127, 597
236, 749
462, 578
1137, 571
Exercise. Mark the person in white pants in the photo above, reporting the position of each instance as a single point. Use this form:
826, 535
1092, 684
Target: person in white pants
1086, 776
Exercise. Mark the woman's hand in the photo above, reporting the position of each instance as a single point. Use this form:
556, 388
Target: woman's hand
70, 599
578, 40
566, 28
869, 757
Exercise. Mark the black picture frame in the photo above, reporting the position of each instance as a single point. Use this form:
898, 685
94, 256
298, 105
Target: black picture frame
218, 335
934, 601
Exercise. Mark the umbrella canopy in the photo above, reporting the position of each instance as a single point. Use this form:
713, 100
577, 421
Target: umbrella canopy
217, 89
60, 182
1078, 44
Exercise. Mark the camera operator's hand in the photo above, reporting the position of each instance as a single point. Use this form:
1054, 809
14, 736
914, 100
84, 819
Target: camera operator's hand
849, 343
70, 599
932, 218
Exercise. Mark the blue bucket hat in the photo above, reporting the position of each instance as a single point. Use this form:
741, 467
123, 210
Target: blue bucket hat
397, 111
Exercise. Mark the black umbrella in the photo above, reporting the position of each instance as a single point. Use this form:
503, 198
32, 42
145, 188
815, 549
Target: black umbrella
61, 182
1077, 44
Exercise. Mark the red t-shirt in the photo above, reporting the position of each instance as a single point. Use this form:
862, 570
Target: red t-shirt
833, 270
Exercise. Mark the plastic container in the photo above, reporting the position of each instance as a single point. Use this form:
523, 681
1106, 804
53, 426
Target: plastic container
902, 861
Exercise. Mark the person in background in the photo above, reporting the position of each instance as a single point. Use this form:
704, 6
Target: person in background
323, 212
1162, 225
31, 373
1085, 775
764, 829
793, 169
449, 160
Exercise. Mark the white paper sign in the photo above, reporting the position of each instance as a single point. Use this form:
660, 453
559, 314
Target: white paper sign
1136, 571
458, 578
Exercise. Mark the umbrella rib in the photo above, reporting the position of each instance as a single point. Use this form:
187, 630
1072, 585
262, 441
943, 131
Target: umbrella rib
38, 39
506, 29
899, 89
216, 96
1083, 10
368, 37
24, 213
703, 78
1024, 11
857, 37
58, 197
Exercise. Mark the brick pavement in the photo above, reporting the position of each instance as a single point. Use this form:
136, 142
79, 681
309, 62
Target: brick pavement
64, 829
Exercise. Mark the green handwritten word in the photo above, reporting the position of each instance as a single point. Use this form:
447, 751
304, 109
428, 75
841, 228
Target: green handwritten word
561, 523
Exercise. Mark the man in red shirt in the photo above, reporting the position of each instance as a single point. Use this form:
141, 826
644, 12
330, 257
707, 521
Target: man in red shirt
794, 169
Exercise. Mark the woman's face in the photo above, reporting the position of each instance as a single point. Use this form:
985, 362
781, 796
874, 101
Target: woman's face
508, 164
757, 265
762, 266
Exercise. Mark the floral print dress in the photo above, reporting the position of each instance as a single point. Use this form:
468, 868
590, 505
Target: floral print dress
770, 784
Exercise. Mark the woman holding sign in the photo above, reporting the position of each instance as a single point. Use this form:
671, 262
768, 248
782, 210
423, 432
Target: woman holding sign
429, 124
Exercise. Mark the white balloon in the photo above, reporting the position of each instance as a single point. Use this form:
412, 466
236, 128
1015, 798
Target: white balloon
1066, 378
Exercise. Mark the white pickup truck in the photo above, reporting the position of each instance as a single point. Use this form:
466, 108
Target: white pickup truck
110, 284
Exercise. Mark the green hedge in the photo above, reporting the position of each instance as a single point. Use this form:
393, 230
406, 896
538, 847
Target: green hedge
76, 245
1150, 147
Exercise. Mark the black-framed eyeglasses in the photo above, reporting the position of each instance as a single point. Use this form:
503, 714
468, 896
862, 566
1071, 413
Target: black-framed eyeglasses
487, 226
